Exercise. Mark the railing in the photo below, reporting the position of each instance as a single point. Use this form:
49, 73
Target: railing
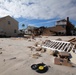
60, 46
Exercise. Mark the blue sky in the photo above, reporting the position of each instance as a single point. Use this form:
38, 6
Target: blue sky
36, 22
38, 12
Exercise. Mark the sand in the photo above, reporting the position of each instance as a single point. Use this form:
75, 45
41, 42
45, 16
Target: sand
16, 57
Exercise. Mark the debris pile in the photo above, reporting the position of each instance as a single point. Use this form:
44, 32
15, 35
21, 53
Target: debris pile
32, 48
0, 52
36, 56
43, 50
59, 39
38, 47
12, 58
27, 36
58, 48
36, 44
63, 59
72, 40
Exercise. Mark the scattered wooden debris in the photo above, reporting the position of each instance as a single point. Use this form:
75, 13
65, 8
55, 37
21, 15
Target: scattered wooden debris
43, 50
36, 56
0, 52
59, 39
32, 48
63, 59
0, 48
64, 55
73, 57
36, 44
4, 60
55, 53
27, 36
60, 61
12, 58
38, 48
40, 36
9, 45
51, 52
29, 46
72, 40
30, 40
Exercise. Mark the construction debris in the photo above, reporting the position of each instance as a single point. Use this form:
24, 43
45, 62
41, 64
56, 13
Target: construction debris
73, 57
72, 40
38, 48
60, 61
64, 54
4, 60
55, 53
63, 59
0, 48
57, 48
32, 48
27, 36
0, 52
12, 58
59, 39
51, 52
36, 44
43, 50
36, 56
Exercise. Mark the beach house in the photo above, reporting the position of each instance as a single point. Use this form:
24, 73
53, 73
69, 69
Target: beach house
63, 27
8, 26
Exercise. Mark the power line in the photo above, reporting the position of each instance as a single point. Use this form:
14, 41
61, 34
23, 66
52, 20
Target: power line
39, 22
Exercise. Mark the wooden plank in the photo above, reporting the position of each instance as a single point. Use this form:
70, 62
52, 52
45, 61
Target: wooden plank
56, 45
65, 47
73, 47
53, 45
60, 46
69, 48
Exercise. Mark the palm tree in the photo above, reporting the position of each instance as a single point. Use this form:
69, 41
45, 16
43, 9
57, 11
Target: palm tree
23, 25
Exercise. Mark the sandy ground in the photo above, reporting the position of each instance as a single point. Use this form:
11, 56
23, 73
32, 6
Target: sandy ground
16, 57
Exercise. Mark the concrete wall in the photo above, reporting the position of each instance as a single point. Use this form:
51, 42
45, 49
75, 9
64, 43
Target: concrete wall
11, 28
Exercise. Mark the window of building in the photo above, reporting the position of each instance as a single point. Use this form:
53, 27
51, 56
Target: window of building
15, 31
9, 22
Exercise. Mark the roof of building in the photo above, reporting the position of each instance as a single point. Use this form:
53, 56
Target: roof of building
6, 17
62, 20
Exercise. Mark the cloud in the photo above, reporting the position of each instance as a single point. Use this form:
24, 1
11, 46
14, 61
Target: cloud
38, 9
